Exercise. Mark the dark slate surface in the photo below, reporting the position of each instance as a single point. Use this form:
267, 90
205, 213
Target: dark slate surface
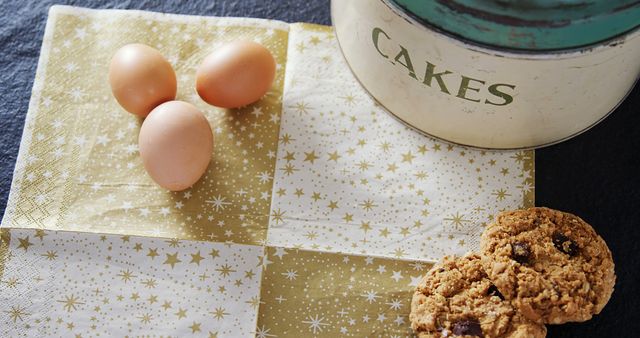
595, 175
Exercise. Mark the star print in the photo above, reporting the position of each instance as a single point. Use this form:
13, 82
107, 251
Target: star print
316, 323
286, 139
290, 274
70, 303
310, 157
399, 320
290, 156
368, 205
289, 169
333, 205
500, 194
152, 299
279, 252
196, 258
126, 275
456, 219
195, 327
40, 234
334, 156
16, 313
24, 243
264, 177
225, 270
150, 283
214, 253
152, 253
257, 111
218, 202
408, 157
399, 253
384, 232
172, 259
181, 313
218, 313
11, 283
314, 40
146, 318
278, 216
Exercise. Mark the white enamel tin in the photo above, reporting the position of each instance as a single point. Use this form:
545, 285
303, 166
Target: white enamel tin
476, 96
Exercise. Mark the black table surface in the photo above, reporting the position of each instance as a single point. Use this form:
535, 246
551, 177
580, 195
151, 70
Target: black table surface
595, 175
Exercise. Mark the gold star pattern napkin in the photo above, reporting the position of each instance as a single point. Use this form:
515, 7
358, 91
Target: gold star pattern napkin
79, 167
318, 214
323, 294
351, 178
81, 284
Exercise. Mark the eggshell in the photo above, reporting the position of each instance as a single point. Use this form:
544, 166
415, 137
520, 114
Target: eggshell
236, 74
175, 145
141, 78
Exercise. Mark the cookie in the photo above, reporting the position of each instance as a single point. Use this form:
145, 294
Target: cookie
456, 299
552, 265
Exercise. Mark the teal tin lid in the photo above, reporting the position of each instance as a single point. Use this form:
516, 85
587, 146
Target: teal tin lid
532, 25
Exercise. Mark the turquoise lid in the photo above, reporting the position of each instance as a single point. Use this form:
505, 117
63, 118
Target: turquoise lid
529, 24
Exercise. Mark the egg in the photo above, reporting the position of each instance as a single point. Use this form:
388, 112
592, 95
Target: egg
236, 74
175, 144
141, 78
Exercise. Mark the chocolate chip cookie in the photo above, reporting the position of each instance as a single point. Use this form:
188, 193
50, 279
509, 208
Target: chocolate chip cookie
457, 299
551, 265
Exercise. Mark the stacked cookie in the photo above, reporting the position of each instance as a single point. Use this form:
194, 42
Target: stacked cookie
537, 266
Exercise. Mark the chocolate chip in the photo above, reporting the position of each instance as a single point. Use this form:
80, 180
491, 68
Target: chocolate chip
493, 291
564, 244
467, 328
520, 252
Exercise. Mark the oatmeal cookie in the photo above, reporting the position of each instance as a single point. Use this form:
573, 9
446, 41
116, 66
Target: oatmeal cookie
456, 299
551, 265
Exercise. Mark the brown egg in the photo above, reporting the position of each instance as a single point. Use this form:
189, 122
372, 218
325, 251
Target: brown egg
141, 79
236, 74
175, 145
